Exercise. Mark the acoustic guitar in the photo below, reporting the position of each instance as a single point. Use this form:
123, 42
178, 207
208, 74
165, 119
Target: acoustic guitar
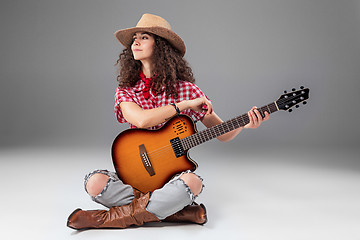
147, 159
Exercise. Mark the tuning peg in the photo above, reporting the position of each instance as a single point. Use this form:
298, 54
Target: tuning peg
293, 89
290, 110
304, 102
285, 91
297, 106
302, 87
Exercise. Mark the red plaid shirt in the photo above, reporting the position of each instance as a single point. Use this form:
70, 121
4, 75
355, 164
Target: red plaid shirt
186, 91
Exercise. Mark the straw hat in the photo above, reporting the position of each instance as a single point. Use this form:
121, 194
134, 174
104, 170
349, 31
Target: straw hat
152, 24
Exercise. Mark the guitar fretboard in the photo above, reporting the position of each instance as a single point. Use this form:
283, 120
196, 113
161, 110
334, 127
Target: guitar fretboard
225, 127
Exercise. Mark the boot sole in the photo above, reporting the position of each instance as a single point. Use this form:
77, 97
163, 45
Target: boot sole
205, 214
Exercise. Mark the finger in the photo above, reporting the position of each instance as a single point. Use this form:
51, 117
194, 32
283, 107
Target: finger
209, 106
267, 115
255, 114
210, 109
258, 115
251, 117
253, 111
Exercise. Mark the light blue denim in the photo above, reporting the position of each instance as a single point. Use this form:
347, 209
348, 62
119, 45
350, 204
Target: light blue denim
163, 202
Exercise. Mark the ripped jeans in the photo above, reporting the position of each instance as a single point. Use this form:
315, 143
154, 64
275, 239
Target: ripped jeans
171, 198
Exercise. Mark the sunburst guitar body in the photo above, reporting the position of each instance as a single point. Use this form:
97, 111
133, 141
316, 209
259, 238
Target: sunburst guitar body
146, 159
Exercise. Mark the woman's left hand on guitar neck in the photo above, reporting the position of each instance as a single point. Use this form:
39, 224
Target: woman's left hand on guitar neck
255, 118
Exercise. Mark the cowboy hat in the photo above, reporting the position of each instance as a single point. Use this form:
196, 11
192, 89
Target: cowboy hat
152, 24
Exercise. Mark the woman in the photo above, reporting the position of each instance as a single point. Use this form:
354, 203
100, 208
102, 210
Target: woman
155, 83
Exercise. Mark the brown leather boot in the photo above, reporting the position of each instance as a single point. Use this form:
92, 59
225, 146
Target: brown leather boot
137, 193
115, 217
192, 213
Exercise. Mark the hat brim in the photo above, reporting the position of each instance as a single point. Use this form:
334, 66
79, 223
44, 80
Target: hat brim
125, 36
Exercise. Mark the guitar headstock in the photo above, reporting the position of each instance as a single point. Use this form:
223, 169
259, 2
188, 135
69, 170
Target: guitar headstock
288, 100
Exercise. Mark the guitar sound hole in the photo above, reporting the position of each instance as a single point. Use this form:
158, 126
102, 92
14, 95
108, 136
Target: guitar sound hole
179, 127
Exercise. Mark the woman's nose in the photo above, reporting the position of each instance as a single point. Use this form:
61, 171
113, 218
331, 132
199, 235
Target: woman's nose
136, 42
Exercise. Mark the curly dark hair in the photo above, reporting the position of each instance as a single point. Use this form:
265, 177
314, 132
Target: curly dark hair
169, 68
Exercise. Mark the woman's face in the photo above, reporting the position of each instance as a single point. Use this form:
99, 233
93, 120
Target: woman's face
142, 46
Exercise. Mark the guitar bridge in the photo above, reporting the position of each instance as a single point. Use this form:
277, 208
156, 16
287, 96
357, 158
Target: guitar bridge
177, 147
145, 160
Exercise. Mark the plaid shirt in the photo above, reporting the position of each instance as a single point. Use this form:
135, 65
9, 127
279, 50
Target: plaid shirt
186, 91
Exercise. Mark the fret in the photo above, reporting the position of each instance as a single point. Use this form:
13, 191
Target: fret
232, 124
197, 139
236, 123
188, 144
227, 128
183, 143
262, 111
243, 118
208, 136
192, 142
272, 107
202, 137
268, 109
222, 128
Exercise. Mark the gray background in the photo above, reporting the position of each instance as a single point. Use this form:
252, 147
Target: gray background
58, 75
296, 177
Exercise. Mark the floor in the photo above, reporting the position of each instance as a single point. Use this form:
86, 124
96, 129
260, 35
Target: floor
262, 194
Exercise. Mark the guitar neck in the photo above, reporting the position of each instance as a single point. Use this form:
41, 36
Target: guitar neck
222, 128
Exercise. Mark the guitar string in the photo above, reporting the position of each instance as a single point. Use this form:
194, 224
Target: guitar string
164, 152
203, 136
195, 140
163, 158
165, 148
159, 149
168, 147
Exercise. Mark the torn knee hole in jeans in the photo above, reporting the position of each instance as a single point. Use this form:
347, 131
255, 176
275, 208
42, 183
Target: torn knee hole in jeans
188, 189
111, 176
